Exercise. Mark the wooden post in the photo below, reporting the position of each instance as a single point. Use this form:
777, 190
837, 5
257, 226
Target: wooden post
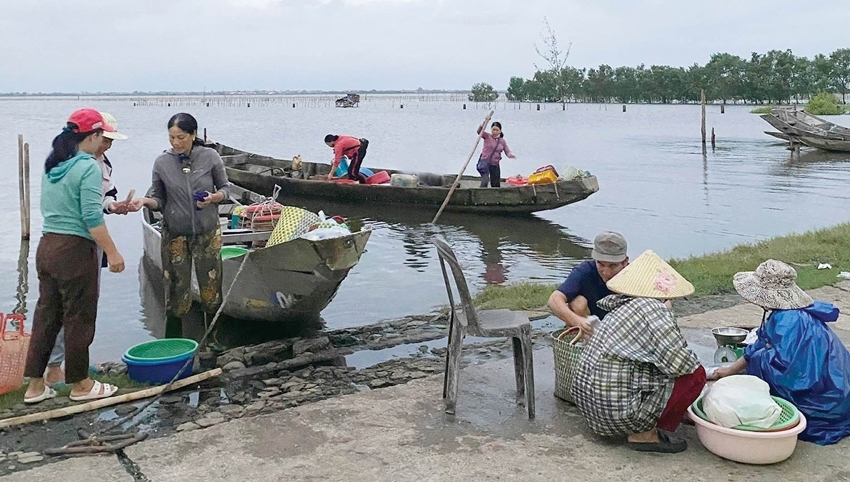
205, 135
624, 107
702, 124
23, 172
713, 145
723, 108
538, 106
27, 187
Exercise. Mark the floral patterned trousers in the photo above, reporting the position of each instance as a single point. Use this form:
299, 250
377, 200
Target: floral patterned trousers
179, 253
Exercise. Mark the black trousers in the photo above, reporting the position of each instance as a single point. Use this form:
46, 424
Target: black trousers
493, 176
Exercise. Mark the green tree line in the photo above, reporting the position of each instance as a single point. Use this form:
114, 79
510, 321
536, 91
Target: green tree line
774, 77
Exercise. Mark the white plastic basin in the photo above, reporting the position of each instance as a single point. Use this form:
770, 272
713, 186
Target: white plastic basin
747, 447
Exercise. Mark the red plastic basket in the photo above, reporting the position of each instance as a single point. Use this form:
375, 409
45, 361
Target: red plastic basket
13, 353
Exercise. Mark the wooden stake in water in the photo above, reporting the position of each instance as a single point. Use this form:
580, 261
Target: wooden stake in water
702, 125
460, 174
23, 186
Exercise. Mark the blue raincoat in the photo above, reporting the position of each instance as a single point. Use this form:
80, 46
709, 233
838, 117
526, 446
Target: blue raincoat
805, 363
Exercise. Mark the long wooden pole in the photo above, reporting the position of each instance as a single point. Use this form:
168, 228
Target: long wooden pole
460, 174
28, 211
21, 192
106, 402
702, 124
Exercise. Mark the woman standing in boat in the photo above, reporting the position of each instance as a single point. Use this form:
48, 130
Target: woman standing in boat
351, 147
491, 154
188, 182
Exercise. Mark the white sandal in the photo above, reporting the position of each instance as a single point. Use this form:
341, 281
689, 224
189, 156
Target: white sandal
94, 393
46, 394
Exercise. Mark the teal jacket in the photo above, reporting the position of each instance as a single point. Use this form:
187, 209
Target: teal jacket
72, 197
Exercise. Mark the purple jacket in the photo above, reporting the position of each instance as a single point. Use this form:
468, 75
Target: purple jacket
494, 147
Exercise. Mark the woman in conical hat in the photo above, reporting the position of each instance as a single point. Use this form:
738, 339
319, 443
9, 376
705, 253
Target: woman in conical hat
637, 376
796, 353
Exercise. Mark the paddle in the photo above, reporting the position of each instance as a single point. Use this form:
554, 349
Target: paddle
460, 174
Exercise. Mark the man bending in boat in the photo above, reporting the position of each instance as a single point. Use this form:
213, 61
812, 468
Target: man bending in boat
352, 148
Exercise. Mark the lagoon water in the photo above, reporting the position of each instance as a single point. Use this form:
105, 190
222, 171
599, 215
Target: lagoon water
656, 187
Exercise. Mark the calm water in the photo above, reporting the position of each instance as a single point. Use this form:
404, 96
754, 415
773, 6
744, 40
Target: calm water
655, 186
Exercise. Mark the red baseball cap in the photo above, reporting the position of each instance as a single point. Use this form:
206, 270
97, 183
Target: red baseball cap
88, 120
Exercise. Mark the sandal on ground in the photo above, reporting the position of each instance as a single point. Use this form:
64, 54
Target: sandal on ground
95, 392
664, 445
46, 394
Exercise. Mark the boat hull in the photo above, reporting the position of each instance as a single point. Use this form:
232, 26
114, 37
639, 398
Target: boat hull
293, 281
261, 174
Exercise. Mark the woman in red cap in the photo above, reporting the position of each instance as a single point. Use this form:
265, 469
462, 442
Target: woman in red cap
66, 259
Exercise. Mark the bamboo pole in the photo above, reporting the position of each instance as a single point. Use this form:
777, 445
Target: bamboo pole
702, 124
106, 402
460, 174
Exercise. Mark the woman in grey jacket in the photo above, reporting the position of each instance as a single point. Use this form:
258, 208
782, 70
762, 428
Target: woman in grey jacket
188, 181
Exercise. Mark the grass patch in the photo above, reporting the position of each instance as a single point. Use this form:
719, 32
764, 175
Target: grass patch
11, 399
516, 296
765, 109
712, 274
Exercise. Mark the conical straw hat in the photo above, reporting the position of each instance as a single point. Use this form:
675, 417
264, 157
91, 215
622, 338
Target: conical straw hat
649, 276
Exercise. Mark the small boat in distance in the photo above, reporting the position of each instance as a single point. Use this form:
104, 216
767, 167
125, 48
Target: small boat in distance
308, 180
350, 100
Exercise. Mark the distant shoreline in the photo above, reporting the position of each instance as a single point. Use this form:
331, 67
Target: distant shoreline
264, 93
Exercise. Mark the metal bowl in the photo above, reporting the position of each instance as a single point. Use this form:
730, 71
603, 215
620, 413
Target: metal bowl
729, 336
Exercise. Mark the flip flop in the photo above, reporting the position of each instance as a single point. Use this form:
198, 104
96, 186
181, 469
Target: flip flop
94, 393
46, 394
664, 445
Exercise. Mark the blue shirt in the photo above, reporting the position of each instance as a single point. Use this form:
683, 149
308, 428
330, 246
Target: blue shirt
72, 197
584, 280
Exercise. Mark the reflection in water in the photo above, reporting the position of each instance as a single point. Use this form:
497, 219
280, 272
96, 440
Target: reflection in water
541, 240
23, 279
807, 161
229, 332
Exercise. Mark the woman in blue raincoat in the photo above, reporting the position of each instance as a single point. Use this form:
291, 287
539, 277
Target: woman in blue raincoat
800, 357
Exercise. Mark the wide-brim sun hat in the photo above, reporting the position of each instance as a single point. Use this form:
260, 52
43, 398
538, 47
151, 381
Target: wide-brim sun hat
649, 276
773, 285
109, 119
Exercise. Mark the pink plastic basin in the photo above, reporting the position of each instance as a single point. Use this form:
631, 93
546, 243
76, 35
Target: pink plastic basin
380, 177
757, 448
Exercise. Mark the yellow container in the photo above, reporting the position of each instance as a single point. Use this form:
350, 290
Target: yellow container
544, 177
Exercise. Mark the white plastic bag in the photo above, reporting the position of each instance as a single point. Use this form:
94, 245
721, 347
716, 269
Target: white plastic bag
741, 400
326, 233
568, 173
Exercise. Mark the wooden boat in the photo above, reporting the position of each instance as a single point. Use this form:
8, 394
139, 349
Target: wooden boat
291, 281
800, 127
825, 144
261, 174
350, 100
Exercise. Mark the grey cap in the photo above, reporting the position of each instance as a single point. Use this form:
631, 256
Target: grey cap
609, 247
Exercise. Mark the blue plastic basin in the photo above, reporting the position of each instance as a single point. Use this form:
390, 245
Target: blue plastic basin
157, 372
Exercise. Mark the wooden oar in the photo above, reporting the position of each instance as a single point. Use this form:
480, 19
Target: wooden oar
460, 174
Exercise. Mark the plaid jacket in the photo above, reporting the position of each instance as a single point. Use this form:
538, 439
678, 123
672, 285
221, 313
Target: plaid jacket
626, 373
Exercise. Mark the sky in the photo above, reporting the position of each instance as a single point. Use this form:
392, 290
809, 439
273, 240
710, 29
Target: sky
220, 45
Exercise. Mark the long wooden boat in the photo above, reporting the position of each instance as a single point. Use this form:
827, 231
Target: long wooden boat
825, 144
291, 281
261, 174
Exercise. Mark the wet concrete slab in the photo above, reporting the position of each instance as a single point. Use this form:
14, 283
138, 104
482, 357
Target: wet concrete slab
103, 468
402, 434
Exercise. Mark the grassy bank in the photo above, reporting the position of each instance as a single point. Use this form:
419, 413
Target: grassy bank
11, 399
712, 274
765, 109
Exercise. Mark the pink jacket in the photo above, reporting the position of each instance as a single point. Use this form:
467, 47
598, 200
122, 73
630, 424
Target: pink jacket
493, 147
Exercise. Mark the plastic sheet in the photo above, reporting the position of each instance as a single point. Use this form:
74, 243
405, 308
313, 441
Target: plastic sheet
804, 362
741, 400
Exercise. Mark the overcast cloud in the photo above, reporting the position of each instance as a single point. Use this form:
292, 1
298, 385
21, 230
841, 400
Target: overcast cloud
181, 45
